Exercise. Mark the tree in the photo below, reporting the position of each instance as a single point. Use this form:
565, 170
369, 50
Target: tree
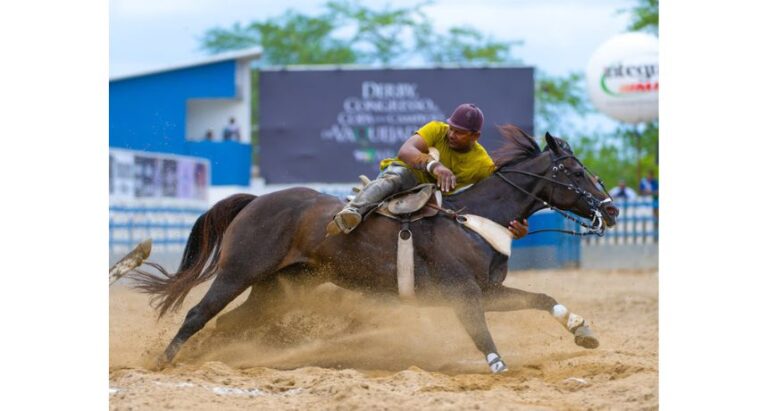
291, 38
645, 16
387, 36
558, 99
461, 46
378, 34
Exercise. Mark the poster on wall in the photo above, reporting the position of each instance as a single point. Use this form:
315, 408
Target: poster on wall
350, 120
141, 175
121, 176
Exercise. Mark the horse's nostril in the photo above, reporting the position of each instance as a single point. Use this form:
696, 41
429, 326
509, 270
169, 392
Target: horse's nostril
612, 211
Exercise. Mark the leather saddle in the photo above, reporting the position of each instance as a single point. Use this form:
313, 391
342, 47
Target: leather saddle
411, 205
408, 205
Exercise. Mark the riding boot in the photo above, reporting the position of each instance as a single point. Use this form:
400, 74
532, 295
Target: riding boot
369, 197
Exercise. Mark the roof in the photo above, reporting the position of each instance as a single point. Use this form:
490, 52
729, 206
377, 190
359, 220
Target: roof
250, 53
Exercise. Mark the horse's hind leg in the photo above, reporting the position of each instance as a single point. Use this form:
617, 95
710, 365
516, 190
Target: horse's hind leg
500, 298
267, 295
262, 296
225, 288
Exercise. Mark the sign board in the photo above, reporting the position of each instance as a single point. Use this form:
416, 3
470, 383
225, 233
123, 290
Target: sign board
329, 126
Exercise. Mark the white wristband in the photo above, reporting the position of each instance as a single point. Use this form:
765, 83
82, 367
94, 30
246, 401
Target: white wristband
430, 164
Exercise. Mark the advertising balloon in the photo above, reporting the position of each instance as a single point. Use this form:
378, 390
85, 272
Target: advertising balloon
623, 78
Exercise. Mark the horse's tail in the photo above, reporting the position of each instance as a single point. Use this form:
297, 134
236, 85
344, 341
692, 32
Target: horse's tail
197, 265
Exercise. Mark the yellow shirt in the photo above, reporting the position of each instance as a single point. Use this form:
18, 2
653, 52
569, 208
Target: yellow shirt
469, 167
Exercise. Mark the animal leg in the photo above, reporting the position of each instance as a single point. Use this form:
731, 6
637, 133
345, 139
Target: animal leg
500, 298
469, 311
252, 311
225, 288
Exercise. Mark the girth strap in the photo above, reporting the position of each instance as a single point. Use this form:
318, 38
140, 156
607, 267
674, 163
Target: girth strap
405, 271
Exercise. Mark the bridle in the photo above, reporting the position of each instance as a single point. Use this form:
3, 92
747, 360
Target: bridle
596, 226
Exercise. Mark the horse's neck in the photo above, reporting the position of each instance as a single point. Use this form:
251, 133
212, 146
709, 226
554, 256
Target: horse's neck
497, 200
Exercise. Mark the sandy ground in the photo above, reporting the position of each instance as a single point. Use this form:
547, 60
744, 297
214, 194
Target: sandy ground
336, 349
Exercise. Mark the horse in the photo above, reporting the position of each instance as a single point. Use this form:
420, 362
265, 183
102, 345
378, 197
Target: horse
248, 241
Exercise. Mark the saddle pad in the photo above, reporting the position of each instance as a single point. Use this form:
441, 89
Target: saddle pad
495, 234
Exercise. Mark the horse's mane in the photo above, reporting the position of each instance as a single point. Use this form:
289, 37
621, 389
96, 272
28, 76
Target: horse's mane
518, 145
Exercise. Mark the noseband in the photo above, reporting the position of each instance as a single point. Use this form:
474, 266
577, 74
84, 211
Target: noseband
596, 226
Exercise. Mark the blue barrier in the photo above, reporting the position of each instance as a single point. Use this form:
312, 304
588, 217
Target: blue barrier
548, 249
637, 224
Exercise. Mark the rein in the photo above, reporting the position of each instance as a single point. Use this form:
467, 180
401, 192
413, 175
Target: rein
594, 204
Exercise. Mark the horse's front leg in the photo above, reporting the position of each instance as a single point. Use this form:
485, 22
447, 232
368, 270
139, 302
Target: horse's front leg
467, 304
500, 298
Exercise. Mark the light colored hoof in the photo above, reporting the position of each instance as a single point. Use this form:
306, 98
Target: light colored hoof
498, 367
584, 337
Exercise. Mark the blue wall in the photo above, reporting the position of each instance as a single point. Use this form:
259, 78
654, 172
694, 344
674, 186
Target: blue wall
546, 250
148, 113
230, 161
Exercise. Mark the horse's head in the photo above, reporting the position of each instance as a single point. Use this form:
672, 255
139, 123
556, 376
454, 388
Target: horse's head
573, 188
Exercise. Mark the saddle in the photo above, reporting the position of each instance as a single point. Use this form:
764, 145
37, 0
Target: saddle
411, 205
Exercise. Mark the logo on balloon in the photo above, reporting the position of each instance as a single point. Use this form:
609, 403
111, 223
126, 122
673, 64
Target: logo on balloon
620, 80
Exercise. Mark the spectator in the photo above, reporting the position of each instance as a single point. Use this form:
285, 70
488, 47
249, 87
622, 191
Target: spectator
649, 186
623, 192
232, 131
209, 135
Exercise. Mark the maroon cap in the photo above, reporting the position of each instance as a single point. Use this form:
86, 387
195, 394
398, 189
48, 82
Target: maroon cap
467, 117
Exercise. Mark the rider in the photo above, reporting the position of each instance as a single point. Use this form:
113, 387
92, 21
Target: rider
463, 162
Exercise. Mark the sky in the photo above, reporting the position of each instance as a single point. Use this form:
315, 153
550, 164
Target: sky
559, 36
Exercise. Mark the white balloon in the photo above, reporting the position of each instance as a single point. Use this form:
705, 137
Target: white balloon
623, 77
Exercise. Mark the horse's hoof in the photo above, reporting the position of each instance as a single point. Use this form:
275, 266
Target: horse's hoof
161, 363
499, 367
584, 338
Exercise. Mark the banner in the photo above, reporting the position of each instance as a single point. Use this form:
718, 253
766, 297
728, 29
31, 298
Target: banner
329, 126
142, 175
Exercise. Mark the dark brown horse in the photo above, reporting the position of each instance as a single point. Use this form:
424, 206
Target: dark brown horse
248, 241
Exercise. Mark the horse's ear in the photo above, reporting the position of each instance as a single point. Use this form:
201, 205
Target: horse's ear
551, 143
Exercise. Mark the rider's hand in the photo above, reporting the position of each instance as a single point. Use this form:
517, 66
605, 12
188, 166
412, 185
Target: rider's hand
518, 229
445, 178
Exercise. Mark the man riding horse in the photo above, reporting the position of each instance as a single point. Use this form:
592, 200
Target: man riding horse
462, 162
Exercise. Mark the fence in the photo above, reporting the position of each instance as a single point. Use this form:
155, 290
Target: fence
168, 225
638, 223
631, 243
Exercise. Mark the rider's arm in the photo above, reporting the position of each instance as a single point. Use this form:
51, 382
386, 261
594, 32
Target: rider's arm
415, 152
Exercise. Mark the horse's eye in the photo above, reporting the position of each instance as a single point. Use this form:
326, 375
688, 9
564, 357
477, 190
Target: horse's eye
579, 173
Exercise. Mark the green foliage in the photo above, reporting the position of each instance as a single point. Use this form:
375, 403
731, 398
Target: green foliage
385, 36
377, 34
462, 45
556, 99
645, 16
291, 38
628, 153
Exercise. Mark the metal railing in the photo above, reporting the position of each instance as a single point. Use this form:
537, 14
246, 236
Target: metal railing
167, 226
638, 223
